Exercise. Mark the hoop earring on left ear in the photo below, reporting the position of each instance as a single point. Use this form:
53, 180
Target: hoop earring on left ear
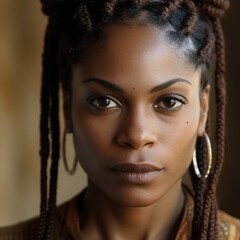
66, 166
209, 159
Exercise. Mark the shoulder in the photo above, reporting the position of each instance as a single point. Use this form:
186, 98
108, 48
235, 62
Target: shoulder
28, 230
229, 226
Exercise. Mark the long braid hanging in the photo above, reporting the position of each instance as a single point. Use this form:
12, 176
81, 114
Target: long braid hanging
209, 226
44, 140
199, 189
54, 130
49, 111
220, 127
57, 12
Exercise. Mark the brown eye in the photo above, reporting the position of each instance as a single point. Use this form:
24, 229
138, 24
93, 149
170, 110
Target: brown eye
171, 103
104, 102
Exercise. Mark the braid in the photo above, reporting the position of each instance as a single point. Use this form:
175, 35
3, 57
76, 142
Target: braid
199, 185
139, 2
44, 140
199, 188
212, 11
191, 21
110, 6
49, 92
206, 51
220, 120
55, 150
83, 17
170, 7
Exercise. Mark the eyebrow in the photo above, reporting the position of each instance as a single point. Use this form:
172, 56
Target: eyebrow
111, 86
115, 88
168, 84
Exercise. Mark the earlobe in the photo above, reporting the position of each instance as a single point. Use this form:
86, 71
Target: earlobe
67, 111
204, 105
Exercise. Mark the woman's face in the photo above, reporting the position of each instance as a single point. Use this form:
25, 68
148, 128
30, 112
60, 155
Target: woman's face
135, 113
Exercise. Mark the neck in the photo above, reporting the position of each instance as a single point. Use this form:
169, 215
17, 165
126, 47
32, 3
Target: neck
104, 219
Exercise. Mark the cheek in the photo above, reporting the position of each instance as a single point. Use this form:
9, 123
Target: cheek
93, 136
182, 138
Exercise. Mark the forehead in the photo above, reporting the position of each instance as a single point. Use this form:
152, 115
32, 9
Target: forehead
130, 51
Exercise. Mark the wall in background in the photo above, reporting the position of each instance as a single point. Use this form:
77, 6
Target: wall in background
21, 38
229, 188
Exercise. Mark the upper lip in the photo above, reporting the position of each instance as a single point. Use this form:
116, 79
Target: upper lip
135, 168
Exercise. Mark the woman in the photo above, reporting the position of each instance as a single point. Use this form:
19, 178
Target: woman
136, 83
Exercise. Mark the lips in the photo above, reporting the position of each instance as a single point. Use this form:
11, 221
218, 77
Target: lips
136, 173
135, 168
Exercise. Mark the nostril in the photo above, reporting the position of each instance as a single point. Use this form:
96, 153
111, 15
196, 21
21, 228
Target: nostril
135, 144
127, 144
136, 136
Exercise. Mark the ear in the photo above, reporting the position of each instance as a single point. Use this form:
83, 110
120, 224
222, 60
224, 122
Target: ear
204, 106
67, 111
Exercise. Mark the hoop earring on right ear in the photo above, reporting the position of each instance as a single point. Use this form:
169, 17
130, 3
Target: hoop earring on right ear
209, 159
72, 170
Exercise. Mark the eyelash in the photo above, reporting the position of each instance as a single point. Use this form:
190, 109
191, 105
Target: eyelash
175, 97
180, 100
93, 99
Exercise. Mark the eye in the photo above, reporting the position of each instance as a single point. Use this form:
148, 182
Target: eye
170, 103
104, 102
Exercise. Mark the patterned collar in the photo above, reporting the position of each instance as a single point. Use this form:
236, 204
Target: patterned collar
184, 232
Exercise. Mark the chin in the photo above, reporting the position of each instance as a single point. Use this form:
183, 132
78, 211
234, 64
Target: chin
134, 196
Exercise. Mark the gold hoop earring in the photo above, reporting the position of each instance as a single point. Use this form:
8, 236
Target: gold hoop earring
209, 159
66, 166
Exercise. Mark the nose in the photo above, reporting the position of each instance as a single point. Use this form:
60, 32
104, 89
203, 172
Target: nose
137, 131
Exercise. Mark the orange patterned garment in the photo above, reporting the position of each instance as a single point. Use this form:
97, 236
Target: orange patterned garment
67, 224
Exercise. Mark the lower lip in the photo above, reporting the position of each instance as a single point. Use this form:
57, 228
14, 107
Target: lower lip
137, 177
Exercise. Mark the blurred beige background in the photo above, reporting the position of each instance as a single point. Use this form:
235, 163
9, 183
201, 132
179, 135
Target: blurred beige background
21, 38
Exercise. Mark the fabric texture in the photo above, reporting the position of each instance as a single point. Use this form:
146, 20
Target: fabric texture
67, 224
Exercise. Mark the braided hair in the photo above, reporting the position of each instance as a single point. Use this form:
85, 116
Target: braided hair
73, 21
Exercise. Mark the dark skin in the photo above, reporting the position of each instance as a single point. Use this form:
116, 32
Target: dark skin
134, 101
